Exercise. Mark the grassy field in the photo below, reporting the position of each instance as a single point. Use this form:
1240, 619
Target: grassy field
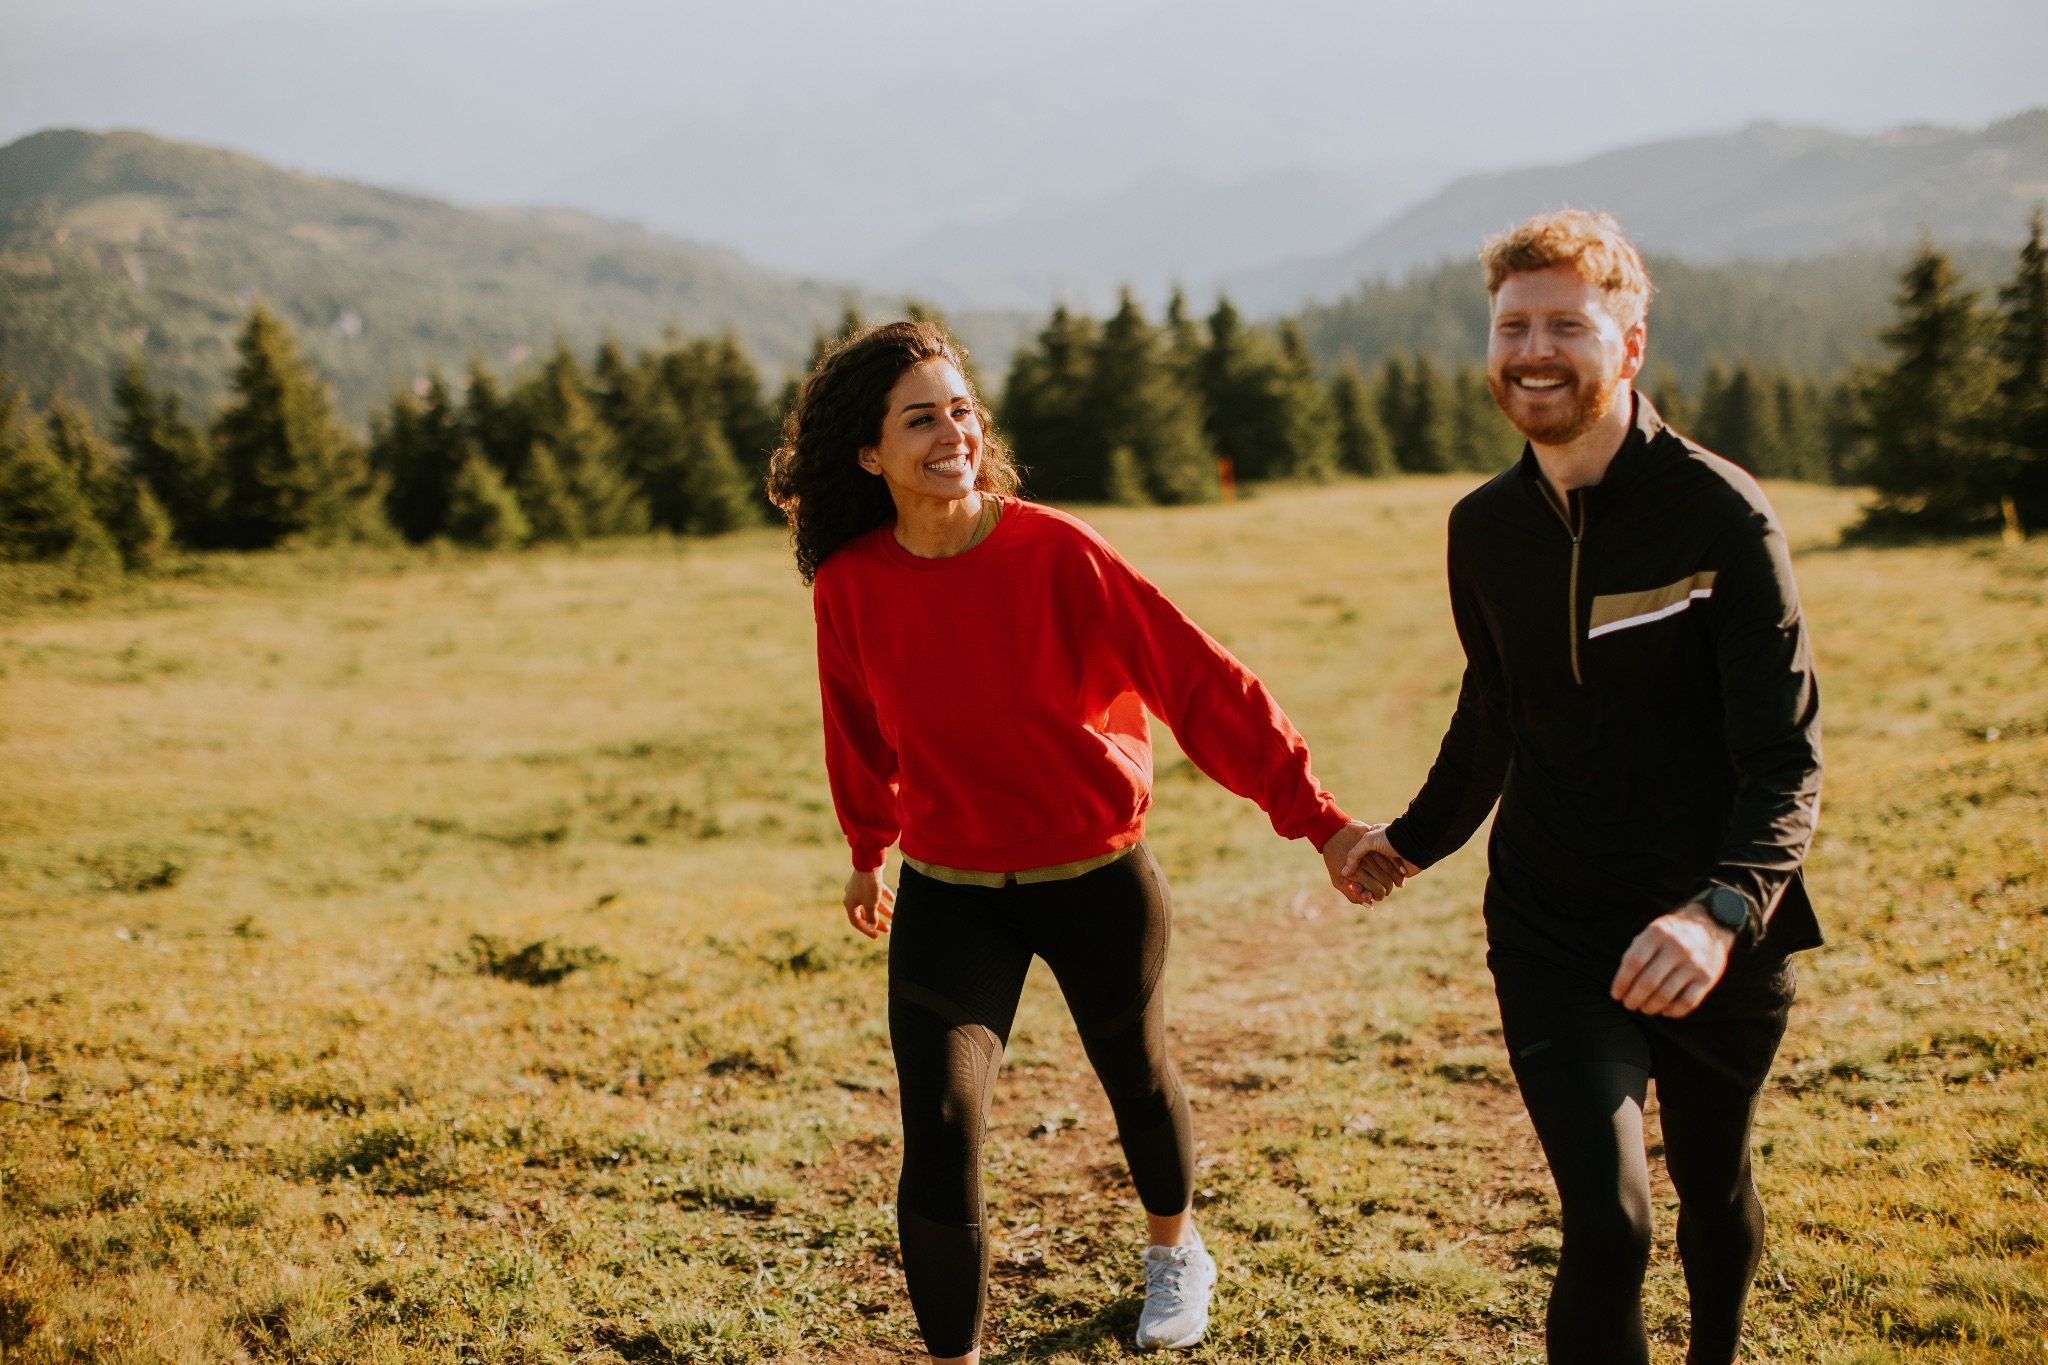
438, 958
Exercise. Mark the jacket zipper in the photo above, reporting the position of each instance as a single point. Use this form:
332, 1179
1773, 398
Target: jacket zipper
1577, 533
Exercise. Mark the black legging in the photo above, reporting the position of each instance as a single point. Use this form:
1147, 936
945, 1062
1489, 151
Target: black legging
1584, 1065
957, 961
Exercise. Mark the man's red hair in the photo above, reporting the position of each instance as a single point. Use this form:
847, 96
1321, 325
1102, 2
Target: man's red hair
1591, 243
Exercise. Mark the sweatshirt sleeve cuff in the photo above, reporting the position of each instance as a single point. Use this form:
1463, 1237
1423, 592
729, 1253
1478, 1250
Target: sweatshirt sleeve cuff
1319, 827
868, 857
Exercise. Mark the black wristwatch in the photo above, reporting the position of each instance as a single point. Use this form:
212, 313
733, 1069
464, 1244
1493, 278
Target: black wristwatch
1730, 908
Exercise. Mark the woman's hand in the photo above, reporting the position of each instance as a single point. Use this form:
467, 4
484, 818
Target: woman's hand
1359, 874
1363, 864
869, 904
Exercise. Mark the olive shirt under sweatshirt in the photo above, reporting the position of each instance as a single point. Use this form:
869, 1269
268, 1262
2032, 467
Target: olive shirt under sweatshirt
1639, 696
988, 709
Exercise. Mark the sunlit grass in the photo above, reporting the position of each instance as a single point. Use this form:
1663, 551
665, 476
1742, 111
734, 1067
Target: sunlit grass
252, 821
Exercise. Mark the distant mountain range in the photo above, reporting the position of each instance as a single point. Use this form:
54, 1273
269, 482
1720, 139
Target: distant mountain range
1766, 193
117, 242
1025, 150
110, 243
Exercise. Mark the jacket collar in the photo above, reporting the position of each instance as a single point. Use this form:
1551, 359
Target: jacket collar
1636, 458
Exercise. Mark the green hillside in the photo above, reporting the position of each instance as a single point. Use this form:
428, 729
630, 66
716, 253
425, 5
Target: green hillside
110, 241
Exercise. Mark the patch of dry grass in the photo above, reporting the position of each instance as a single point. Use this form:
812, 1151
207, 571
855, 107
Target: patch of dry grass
271, 833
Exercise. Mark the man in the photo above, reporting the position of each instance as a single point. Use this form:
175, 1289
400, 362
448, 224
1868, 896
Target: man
1639, 696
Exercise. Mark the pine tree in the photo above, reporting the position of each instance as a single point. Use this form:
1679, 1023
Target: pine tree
634, 402
750, 425
1730, 421
585, 457
501, 427
125, 507
170, 456
1848, 443
1800, 435
1925, 414
695, 486
1362, 445
1307, 426
45, 515
1667, 395
1480, 437
1772, 425
672, 414
1183, 342
1238, 398
288, 468
2021, 406
482, 509
718, 493
495, 423
1264, 406
550, 506
419, 449
1415, 411
1044, 412
1136, 404
714, 382
618, 388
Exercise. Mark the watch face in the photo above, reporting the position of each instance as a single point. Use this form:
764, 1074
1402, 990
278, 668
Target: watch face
1727, 907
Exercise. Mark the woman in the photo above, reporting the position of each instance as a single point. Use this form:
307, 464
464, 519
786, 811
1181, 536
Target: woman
986, 665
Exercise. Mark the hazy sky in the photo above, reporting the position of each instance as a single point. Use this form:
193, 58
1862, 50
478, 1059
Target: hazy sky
822, 134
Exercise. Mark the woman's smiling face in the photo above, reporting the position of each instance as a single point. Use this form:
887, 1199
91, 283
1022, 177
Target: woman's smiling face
930, 445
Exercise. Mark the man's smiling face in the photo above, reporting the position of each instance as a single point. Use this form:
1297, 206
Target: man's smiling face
1557, 358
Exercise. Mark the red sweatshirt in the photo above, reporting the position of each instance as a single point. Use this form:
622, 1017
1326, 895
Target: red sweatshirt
989, 708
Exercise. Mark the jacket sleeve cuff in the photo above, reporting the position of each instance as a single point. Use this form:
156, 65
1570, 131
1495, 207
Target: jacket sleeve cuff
1753, 928
1323, 825
868, 857
1402, 836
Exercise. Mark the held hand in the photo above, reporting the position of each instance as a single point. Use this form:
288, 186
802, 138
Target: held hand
869, 904
1374, 853
1362, 878
1672, 964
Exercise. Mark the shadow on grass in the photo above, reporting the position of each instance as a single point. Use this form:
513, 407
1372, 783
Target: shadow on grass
1115, 1324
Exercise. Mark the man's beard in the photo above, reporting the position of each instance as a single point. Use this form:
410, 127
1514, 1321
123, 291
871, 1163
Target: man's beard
1589, 404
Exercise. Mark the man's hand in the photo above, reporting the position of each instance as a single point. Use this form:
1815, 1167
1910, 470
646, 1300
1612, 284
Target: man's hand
869, 904
1672, 964
1363, 876
1372, 859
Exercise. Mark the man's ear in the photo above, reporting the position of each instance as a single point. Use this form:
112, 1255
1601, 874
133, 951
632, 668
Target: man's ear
1634, 346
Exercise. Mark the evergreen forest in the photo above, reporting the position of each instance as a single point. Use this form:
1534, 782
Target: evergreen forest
672, 438
1949, 426
1949, 429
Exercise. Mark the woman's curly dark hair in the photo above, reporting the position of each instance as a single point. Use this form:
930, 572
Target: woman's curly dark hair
815, 475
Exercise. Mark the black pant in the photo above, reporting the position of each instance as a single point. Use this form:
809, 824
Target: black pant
1584, 1064
957, 960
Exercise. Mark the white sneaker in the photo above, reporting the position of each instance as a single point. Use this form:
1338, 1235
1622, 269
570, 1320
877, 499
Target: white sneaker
1178, 1282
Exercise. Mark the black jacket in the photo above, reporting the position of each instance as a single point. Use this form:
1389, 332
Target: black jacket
1638, 694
